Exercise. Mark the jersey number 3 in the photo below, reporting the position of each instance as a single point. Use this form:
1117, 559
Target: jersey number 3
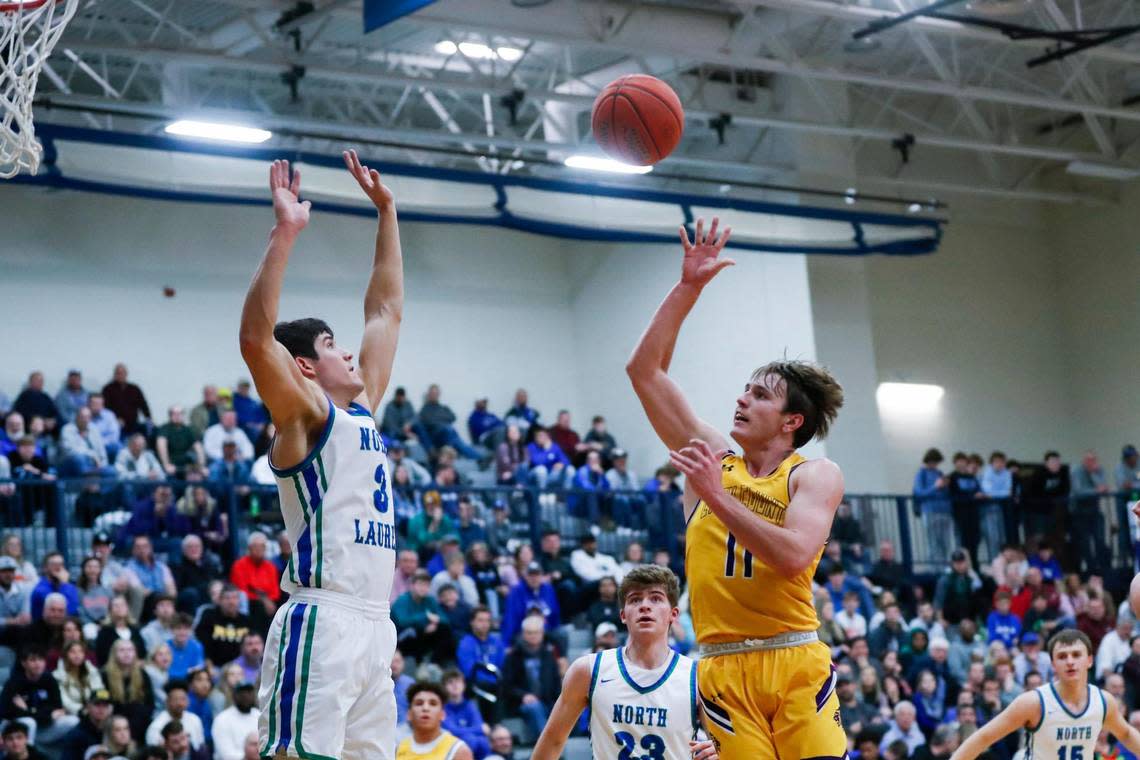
380, 495
730, 560
653, 744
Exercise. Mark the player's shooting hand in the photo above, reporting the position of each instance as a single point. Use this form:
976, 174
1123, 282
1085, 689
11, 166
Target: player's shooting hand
701, 263
705, 750
701, 467
292, 214
369, 181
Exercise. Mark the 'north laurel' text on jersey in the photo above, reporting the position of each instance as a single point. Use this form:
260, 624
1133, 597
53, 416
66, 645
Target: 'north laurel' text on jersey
338, 511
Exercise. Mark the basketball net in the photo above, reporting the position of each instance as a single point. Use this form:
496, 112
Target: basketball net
29, 30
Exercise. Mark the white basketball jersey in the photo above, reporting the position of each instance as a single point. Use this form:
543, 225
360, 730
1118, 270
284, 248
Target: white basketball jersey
640, 714
337, 506
1062, 735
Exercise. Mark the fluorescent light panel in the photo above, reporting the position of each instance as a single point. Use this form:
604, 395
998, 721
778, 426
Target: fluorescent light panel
207, 130
599, 164
478, 50
909, 397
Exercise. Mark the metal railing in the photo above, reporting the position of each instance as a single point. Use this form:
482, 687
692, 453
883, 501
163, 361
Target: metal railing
64, 515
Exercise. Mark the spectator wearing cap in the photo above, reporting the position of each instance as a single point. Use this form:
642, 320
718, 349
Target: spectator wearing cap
17, 745
956, 589
607, 608
854, 713
177, 702
605, 636
31, 697
1032, 657
481, 422
428, 528
399, 414
94, 720
258, 578
531, 594
235, 723
935, 660
422, 629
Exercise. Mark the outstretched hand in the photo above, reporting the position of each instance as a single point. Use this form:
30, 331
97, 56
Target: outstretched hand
291, 213
369, 181
701, 263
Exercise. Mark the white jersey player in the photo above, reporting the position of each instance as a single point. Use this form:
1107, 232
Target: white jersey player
1062, 719
642, 697
326, 686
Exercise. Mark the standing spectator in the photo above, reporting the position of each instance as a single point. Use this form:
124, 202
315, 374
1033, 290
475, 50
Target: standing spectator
31, 697
259, 579
1128, 471
208, 412
530, 676
529, 595
1089, 485
399, 414
222, 628
235, 723
33, 402
227, 429
119, 626
434, 425
178, 447
567, 439
137, 462
126, 401
72, 396
932, 499
521, 414
549, 465
251, 414
82, 447
997, 485
1047, 501
422, 629
105, 421
482, 422
153, 574
1095, 622
965, 497
55, 579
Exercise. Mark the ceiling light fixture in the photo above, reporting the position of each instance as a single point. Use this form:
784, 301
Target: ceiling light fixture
909, 398
1102, 171
446, 47
599, 164
206, 130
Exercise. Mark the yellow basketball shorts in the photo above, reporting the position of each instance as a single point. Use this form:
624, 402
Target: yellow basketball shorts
777, 704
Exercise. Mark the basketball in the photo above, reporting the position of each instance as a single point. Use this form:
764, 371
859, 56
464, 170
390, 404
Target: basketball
638, 119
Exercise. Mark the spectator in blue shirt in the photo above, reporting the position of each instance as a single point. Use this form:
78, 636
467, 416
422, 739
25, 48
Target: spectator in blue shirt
152, 574
1045, 561
521, 415
531, 593
997, 485
251, 414
230, 469
478, 650
462, 717
549, 465
1002, 625
105, 421
590, 477
54, 579
932, 501
402, 681
481, 422
72, 396
839, 584
187, 651
470, 528
156, 516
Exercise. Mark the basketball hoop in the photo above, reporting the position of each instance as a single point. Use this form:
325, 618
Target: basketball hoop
29, 30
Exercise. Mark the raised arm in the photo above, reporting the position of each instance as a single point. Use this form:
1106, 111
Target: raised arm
666, 406
384, 299
1023, 712
291, 398
575, 697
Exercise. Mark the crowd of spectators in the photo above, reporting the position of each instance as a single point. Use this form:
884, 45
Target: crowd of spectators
150, 646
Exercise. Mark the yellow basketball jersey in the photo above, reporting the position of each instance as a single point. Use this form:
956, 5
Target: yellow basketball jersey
443, 747
733, 595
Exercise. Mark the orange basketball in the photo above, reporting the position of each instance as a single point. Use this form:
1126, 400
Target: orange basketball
638, 119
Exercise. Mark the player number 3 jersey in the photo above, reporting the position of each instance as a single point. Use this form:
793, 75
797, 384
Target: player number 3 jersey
338, 511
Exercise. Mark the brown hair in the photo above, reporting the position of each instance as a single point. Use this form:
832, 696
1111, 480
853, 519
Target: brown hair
646, 576
810, 390
1070, 636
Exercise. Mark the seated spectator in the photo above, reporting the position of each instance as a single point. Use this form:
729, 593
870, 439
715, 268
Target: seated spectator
1002, 625
590, 478
227, 431
205, 519
531, 680
252, 416
178, 745
456, 612
235, 723
153, 575
456, 575
127, 401
511, 458
528, 596
154, 516
177, 702
1045, 561
943, 742
45, 634
118, 738
13, 604
470, 528
549, 465
119, 626
26, 464
426, 529
598, 438
422, 629
399, 414
82, 448
407, 562
1095, 622
31, 697
157, 666
252, 650
201, 689
107, 424
890, 635
606, 608
77, 677
854, 625
222, 628
186, 651
25, 576
1114, 649
161, 628
193, 573
434, 425
887, 572
403, 682
566, 439
521, 414
55, 580
839, 584
418, 475
258, 578
929, 701
94, 721
16, 743
480, 655
137, 462
903, 726
591, 566
462, 717
502, 744
231, 469
72, 396
34, 402
482, 423
94, 597
15, 428
854, 713
179, 450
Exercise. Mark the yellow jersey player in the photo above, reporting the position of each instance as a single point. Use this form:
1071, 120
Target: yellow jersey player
425, 715
757, 522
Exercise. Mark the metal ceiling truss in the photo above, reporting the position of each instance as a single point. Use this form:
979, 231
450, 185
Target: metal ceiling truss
942, 87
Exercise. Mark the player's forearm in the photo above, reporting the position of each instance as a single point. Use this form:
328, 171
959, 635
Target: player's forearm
549, 746
1131, 739
385, 294
259, 314
654, 351
787, 551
